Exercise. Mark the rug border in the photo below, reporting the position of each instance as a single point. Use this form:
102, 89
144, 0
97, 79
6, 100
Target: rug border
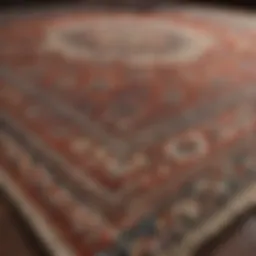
241, 203
46, 234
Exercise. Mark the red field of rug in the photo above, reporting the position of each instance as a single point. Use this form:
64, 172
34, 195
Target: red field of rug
128, 134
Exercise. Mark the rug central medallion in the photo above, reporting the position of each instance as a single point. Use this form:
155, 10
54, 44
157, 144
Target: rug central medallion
127, 40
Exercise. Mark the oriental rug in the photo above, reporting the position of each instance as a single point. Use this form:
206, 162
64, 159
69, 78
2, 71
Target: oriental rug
128, 134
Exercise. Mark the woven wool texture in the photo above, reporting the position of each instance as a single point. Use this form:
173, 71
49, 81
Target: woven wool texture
128, 134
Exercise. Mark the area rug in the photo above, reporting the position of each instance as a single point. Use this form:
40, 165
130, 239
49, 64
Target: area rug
128, 134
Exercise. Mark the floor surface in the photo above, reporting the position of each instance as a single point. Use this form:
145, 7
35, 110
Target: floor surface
16, 239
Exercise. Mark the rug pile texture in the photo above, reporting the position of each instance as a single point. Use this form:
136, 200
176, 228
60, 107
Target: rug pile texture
127, 134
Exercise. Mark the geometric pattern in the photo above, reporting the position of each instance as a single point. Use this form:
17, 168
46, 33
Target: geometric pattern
127, 134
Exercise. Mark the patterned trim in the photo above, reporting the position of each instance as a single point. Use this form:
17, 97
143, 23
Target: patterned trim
242, 203
192, 223
39, 152
242, 155
147, 227
38, 222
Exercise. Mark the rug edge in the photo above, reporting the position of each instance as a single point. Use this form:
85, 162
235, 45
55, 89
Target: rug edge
240, 204
38, 223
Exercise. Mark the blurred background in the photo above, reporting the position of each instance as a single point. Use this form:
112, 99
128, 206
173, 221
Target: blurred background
137, 4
